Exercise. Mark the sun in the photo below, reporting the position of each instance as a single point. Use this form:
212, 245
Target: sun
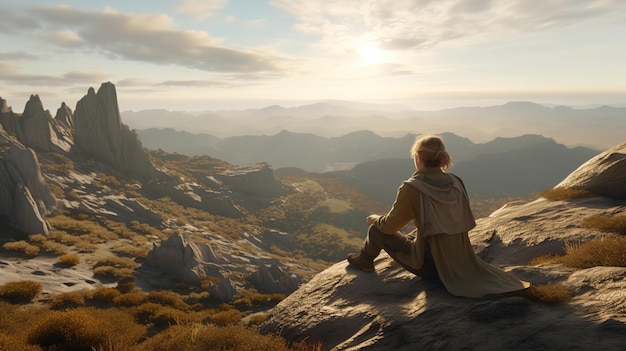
371, 54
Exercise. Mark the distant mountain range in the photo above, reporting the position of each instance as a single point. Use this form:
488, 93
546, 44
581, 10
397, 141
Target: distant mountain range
599, 127
503, 167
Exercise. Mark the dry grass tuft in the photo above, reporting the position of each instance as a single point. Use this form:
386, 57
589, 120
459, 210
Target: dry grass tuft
131, 299
545, 259
161, 317
69, 260
561, 193
610, 251
607, 224
85, 329
257, 319
23, 247
117, 262
21, 291
12, 343
66, 300
105, 294
114, 273
228, 317
548, 293
208, 338
249, 297
167, 298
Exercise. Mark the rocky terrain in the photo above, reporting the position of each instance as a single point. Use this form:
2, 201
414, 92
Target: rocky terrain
392, 309
196, 220
88, 163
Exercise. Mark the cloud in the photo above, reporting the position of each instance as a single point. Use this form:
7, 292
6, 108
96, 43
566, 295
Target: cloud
148, 38
201, 9
9, 73
84, 77
419, 24
13, 21
17, 55
63, 37
193, 83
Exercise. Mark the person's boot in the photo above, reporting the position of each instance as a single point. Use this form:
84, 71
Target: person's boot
359, 261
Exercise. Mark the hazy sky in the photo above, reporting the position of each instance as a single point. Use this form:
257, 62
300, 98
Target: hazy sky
210, 54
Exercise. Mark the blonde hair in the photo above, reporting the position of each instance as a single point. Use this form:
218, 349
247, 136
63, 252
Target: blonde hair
431, 150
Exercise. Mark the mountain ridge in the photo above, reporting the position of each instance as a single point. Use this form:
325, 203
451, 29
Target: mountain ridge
567, 125
387, 158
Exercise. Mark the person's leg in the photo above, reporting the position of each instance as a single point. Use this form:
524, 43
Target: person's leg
399, 246
376, 241
392, 243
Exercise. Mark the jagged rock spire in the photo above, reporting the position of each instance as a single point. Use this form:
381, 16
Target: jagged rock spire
65, 116
99, 131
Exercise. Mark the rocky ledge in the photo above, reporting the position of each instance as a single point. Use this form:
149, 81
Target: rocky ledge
395, 310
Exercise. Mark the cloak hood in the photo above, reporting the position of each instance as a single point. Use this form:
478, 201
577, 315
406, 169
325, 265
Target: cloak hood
444, 205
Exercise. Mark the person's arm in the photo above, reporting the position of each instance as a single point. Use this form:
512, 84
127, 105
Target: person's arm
401, 213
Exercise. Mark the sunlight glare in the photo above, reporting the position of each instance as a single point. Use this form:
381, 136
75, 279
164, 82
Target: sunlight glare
371, 54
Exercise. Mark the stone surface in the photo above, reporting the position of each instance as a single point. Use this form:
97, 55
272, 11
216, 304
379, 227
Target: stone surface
272, 278
99, 131
183, 258
65, 116
391, 309
26, 196
603, 175
257, 180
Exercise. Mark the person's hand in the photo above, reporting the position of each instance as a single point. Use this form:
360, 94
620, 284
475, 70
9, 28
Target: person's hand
371, 219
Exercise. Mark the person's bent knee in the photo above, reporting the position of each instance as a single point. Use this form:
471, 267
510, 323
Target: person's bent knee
373, 230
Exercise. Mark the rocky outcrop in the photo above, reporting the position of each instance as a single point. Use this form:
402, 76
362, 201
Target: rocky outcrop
4, 108
255, 180
180, 258
395, 310
65, 116
185, 259
26, 196
10, 121
119, 207
218, 201
99, 131
222, 290
392, 309
271, 278
36, 129
41, 132
603, 175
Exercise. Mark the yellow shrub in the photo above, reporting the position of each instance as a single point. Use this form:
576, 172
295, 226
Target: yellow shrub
86, 329
562, 193
257, 319
161, 316
209, 338
118, 262
53, 247
609, 251
105, 294
20, 291
131, 299
607, 224
228, 317
126, 286
68, 300
114, 272
23, 247
10, 342
167, 298
548, 293
68, 260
